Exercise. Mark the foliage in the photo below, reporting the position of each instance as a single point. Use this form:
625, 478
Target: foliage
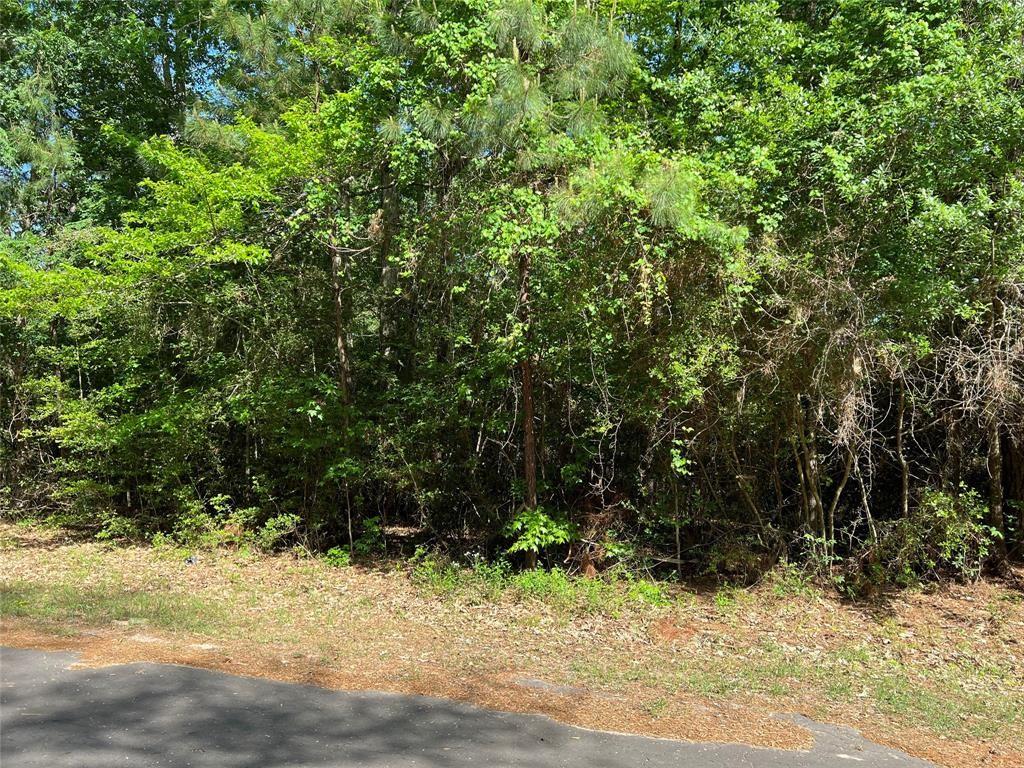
534, 530
485, 581
277, 530
371, 542
337, 557
721, 283
789, 579
946, 533
434, 573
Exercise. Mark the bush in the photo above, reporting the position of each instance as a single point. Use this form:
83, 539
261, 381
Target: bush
534, 530
338, 557
195, 526
371, 542
115, 527
217, 524
944, 535
277, 530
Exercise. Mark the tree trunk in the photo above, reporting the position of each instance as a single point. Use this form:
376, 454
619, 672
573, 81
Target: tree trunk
872, 531
340, 334
679, 542
835, 499
815, 512
776, 477
995, 448
742, 481
805, 503
529, 439
526, 369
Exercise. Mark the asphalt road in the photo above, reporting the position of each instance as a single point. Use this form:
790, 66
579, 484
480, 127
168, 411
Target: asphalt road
157, 715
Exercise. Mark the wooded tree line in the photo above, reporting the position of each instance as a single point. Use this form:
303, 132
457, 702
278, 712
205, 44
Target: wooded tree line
708, 282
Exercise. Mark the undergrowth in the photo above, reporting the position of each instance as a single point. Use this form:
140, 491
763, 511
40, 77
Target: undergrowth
612, 592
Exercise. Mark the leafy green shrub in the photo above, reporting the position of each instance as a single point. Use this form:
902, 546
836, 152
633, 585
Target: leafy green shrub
277, 530
115, 527
614, 549
338, 557
195, 526
944, 534
215, 524
534, 530
372, 539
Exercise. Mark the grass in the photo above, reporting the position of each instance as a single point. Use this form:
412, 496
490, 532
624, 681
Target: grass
497, 582
64, 603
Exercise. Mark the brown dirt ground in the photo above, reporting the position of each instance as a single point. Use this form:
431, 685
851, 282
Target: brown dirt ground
298, 620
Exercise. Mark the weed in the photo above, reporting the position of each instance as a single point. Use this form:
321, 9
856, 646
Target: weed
337, 557
550, 586
725, 599
434, 573
838, 689
650, 592
657, 707
493, 581
568, 593
492, 578
712, 683
788, 580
